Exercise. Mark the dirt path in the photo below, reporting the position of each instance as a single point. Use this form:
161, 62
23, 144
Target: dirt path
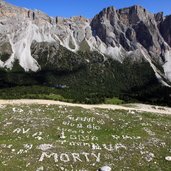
129, 107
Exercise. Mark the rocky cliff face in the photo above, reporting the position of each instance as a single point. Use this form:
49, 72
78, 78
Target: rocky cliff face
130, 33
165, 29
135, 30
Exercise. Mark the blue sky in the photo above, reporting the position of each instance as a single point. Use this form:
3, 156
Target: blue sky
89, 8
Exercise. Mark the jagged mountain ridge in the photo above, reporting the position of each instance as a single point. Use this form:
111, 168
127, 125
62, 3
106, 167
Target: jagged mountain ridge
132, 33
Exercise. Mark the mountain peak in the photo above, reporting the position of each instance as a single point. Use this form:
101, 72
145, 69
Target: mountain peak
113, 33
134, 8
107, 12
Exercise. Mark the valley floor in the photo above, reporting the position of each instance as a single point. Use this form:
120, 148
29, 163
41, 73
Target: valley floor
130, 107
40, 135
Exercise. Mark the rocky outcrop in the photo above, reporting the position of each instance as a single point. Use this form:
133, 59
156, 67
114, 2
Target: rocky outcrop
159, 17
131, 27
135, 28
53, 57
165, 29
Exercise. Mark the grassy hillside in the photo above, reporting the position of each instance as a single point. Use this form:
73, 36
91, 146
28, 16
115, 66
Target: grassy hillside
87, 76
49, 137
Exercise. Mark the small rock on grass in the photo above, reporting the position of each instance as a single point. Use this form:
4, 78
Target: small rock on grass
105, 168
168, 158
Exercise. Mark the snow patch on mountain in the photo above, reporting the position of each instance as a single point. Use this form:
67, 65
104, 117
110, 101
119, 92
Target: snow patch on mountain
167, 65
114, 52
156, 71
21, 44
9, 63
1, 64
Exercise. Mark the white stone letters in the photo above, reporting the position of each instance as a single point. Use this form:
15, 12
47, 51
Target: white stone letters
73, 157
76, 157
64, 157
97, 157
44, 154
23, 130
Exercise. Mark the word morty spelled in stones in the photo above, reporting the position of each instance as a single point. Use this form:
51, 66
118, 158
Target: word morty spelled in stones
71, 157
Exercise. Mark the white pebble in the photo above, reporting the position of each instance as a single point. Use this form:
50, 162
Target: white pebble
105, 168
168, 158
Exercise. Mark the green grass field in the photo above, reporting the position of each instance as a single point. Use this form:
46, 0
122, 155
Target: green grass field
54, 138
